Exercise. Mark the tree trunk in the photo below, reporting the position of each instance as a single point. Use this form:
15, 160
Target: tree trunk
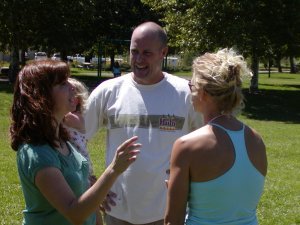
269, 67
278, 62
87, 58
164, 63
23, 60
14, 65
63, 55
292, 65
112, 60
254, 80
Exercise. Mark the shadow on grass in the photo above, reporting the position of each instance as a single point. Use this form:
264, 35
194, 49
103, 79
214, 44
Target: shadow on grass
283, 85
6, 87
285, 78
275, 105
91, 81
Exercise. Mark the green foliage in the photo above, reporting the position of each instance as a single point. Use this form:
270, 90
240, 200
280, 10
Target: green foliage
125, 67
249, 25
50, 25
3, 64
259, 28
273, 112
188, 57
68, 26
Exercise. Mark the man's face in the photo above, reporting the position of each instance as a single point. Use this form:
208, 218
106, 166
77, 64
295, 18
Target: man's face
146, 55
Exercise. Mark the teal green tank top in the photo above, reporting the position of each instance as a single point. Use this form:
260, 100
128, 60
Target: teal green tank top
231, 198
74, 167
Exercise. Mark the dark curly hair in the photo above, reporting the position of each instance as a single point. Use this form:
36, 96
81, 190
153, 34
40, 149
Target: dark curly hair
32, 110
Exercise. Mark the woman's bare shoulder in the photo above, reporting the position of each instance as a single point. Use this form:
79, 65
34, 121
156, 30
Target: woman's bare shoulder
200, 139
256, 150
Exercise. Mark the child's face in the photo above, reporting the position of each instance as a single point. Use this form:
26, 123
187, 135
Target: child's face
76, 101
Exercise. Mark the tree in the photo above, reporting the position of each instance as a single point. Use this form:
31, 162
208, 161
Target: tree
284, 34
291, 18
210, 24
15, 32
61, 25
66, 26
115, 20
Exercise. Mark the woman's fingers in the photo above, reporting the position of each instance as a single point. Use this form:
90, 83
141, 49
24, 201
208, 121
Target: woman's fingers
108, 201
129, 147
127, 142
126, 154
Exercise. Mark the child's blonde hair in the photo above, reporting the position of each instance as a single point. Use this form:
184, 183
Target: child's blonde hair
81, 92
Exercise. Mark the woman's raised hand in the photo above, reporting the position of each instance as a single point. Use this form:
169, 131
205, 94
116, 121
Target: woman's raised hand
125, 155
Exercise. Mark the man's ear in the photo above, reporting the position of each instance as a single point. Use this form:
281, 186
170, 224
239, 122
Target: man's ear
165, 51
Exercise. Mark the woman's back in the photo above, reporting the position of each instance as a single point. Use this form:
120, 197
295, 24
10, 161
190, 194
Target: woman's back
229, 191
219, 169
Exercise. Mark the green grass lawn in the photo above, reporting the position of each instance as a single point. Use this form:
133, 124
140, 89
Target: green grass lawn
274, 112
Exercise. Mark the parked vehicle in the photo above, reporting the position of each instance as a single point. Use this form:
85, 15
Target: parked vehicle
56, 56
4, 71
94, 60
40, 55
78, 58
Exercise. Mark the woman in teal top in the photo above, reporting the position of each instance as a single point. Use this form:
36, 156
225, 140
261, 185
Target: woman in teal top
217, 172
53, 175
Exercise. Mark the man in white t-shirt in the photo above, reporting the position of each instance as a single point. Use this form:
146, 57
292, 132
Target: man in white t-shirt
156, 107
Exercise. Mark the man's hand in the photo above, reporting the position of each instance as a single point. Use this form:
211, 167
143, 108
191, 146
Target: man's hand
108, 202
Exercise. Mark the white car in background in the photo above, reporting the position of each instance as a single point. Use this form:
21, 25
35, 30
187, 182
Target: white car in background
40, 55
56, 56
78, 58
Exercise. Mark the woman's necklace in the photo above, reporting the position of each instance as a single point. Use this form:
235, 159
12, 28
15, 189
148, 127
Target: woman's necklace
216, 117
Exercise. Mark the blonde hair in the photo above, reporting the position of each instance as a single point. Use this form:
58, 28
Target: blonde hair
220, 75
81, 92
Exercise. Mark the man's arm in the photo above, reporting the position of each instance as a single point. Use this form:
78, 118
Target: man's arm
94, 113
